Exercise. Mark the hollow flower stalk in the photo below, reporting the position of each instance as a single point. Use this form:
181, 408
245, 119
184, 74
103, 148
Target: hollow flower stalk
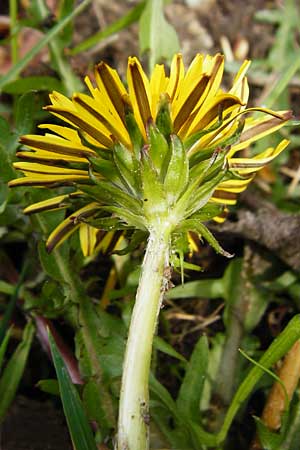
153, 160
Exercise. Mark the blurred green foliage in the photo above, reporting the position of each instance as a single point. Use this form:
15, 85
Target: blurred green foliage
56, 286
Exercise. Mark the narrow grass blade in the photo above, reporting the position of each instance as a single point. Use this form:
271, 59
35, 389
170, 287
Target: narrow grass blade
11, 305
13, 372
133, 15
17, 68
78, 424
279, 347
283, 80
3, 346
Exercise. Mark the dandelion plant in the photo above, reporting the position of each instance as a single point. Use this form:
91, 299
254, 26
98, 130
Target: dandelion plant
152, 160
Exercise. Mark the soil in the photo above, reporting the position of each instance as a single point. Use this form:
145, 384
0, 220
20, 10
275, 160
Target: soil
34, 425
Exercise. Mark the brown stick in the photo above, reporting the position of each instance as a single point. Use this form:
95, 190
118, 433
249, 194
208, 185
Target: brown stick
289, 374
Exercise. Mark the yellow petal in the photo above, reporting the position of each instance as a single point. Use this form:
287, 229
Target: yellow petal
59, 202
65, 132
109, 241
176, 75
55, 144
41, 180
235, 186
222, 103
85, 122
60, 101
140, 95
222, 216
240, 85
102, 114
158, 84
223, 198
229, 126
192, 101
108, 81
187, 85
88, 239
214, 67
69, 225
259, 128
41, 169
246, 166
44, 156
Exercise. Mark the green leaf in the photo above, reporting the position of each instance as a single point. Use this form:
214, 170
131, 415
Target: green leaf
188, 400
211, 288
93, 402
272, 16
6, 288
200, 437
164, 347
270, 440
4, 324
162, 393
8, 145
37, 83
99, 349
232, 286
178, 171
177, 438
14, 369
3, 346
50, 386
25, 113
49, 261
216, 346
283, 79
79, 427
156, 35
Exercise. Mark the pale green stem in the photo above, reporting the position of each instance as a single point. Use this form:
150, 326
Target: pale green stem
133, 428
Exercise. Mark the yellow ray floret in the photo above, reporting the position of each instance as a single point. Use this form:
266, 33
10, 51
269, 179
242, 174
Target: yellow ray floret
245, 166
88, 238
59, 202
56, 144
70, 225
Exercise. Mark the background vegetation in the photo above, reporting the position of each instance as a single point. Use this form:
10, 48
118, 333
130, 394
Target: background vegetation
200, 382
